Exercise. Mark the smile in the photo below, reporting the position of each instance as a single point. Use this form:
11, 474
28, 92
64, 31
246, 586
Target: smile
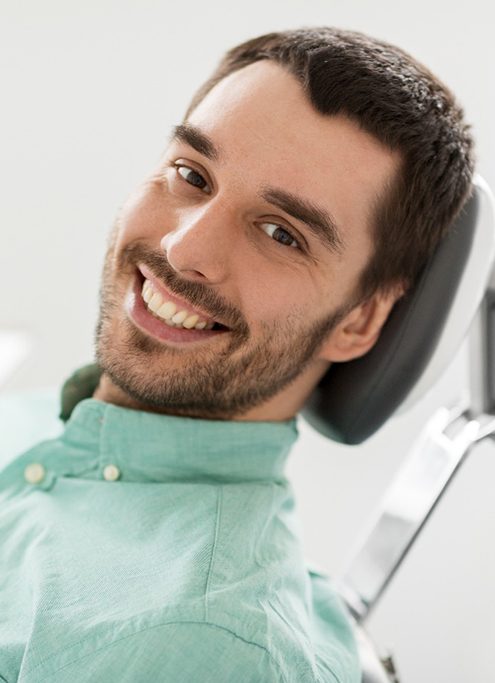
171, 309
166, 317
170, 313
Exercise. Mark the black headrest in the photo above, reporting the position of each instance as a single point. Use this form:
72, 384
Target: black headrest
354, 399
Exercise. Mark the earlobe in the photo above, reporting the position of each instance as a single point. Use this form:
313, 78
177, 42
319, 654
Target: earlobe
358, 332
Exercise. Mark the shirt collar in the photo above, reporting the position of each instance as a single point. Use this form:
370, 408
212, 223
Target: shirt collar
147, 446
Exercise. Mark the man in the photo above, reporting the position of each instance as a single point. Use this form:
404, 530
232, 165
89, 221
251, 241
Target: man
155, 539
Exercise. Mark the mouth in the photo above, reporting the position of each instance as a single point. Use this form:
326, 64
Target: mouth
163, 315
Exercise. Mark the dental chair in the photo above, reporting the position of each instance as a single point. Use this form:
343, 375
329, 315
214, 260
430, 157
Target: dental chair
453, 297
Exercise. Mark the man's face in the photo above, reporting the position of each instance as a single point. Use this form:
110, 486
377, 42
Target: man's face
258, 217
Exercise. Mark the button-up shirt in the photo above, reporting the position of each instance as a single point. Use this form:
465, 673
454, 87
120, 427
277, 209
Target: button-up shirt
140, 547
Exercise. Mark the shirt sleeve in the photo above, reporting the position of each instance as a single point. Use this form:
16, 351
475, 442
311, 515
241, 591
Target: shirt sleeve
189, 652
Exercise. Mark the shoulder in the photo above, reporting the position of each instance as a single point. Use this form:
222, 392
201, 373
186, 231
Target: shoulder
185, 651
25, 419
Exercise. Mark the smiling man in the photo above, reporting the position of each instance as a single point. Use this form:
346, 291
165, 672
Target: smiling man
254, 224
156, 538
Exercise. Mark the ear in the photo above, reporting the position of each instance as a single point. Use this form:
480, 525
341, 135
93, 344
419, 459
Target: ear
357, 333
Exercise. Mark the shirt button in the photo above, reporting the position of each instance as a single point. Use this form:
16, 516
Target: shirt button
34, 473
111, 473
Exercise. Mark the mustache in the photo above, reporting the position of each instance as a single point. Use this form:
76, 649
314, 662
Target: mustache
193, 292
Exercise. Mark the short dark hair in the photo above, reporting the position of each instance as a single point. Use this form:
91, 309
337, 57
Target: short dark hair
400, 102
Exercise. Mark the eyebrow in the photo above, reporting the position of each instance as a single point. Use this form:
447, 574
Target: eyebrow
196, 139
318, 220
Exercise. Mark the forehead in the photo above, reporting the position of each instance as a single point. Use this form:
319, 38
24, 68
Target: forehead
267, 131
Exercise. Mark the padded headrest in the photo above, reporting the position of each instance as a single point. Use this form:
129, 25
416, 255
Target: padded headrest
421, 336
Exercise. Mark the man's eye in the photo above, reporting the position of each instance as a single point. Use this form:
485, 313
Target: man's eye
280, 234
193, 178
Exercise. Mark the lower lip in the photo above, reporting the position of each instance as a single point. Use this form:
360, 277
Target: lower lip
138, 312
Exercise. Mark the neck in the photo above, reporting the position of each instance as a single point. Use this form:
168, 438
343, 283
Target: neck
109, 392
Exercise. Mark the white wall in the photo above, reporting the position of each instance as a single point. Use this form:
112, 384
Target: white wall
89, 92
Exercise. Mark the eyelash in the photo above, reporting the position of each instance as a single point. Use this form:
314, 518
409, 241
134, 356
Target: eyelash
178, 167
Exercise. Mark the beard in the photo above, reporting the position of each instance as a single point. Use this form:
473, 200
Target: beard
204, 383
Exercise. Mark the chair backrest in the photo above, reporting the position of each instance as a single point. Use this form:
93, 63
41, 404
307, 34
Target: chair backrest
425, 328
355, 399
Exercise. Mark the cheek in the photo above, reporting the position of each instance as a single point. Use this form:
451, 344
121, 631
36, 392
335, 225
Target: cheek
271, 300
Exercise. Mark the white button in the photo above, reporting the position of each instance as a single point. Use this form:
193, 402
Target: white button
34, 473
111, 473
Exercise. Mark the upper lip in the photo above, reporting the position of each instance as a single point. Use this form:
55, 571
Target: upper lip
170, 296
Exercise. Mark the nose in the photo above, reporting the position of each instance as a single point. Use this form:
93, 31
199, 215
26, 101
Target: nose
200, 245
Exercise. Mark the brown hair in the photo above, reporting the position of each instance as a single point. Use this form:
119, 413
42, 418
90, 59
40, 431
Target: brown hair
396, 99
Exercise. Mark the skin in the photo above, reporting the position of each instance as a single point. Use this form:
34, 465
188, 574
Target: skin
292, 311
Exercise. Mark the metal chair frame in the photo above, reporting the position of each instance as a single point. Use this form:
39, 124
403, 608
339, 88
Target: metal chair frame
448, 438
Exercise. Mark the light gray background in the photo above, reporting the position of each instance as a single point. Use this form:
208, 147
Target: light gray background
89, 92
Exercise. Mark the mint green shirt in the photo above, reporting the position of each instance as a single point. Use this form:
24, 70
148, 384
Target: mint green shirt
138, 547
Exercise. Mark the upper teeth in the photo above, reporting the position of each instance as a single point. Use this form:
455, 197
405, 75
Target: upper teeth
168, 311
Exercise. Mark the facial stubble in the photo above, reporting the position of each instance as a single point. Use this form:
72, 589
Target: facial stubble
222, 384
